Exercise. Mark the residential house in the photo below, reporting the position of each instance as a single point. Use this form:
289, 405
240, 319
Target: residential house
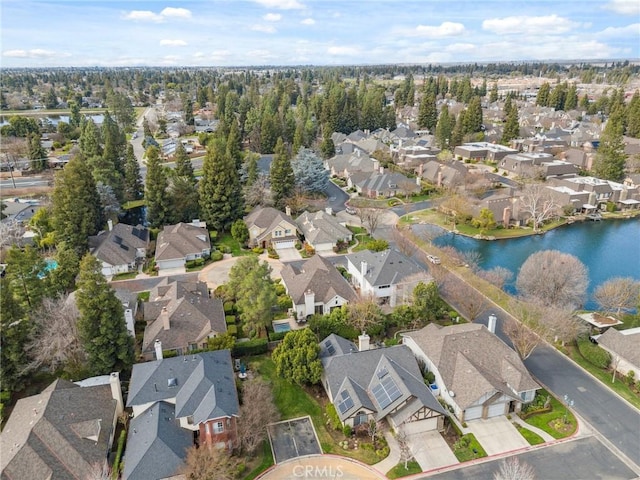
19, 211
343, 165
447, 175
623, 347
387, 184
269, 227
388, 276
66, 431
378, 384
182, 316
482, 151
316, 287
323, 231
177, 244
477, 374
537, 165
195, 394
602, 192
121, 248
129, 302
582, 158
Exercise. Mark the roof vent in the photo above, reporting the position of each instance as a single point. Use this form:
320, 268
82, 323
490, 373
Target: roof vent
172, 382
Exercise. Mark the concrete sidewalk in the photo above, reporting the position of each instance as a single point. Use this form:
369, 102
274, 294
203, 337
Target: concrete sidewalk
394, 455
545, 436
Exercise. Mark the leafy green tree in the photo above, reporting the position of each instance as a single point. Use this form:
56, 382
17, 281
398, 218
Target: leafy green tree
426, 300
37, 154
25, 270
132, 184
51, 99
146, 128
633, 116
184, 167
221, 201
42, 224
101, 325
484, 221
252, 168
309, 172
240, 232
268, 133
226, 341
428, 112
610, 160
156, 190
558, 96
282, 176
296, 358
20, 126
62, 279
122, 108
473, 116
255, 294
336, 322
493, 94
188, 112
15, 334
75, 117
77, 213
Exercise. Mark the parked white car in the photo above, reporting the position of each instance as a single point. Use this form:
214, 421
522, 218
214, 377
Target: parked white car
433, 259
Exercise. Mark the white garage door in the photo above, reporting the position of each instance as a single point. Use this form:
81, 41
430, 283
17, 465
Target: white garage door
420, 426
284, 244
472, 413
496, 410
166, 264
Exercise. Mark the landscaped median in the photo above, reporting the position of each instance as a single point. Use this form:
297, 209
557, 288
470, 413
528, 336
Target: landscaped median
549, 415
399, 470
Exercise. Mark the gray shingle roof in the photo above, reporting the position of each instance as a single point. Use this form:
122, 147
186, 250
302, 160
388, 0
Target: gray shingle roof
178, 241
192, 315
118, 246
472, 361
205, 386
320, 227
58, 434
267, 219
359, 373
156, 444
335, 345
385, 268
318, 275
626, 344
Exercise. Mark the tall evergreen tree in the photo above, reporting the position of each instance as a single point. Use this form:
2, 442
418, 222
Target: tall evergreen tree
512, 125
25, 268
610, 159
90, 142
101, 325
309, 172
493, 94
77, 213
37, 154
188, 112
185, 205
133, 186
633, 116
444, 128
571, 100
473, 116
281, 176
221, 201
155, 192
15, 334
184, 167
542, 98
428, 112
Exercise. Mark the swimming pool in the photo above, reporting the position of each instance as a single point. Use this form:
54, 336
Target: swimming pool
49, 264
281, 326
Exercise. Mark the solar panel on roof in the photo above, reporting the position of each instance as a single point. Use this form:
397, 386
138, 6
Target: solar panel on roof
386, 392
382, 372
330, 347
346, 403
391, 388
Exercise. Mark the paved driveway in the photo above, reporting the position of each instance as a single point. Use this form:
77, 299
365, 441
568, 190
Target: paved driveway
431, 451
497, 435
288, 254
293, 438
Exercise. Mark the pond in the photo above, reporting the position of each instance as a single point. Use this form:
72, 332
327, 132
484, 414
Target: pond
610, 248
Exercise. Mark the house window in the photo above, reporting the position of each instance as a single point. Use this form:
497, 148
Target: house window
360, 419
287, 232
277, 233
384, 286
218, 427
319, 310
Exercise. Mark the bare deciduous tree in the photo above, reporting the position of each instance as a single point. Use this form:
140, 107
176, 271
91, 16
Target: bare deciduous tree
208, 462
374, 429
456, 206
555, 278
256, 194
252, 421
56, 344
523, 338
405, 448
497, 276
363, 312
538, 203
512, 469
617, 294
467, 300
404, 244
371, 218
472, 259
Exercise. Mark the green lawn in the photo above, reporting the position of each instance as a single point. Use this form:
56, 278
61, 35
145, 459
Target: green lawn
232, 244
133, 204
293, 401
124, 276
559, 422
266, 460
531, 437
398, 471
605, 376
468, 448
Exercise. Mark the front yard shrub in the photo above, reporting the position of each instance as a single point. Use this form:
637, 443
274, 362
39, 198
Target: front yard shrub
271, 252
217, 256
275, 336
347, 430
593, 353
229, 307
258, 250
230, 319
256, 346
280, 290
232, 330
284, 302
332, 417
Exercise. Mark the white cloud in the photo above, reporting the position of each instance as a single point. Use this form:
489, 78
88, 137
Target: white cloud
261, 54
149, 16
272, 17
546, 25
171, 12
173, 43
624, 7
263, 28
630, 31
344, 51
198, 55
446, 29
308, 21
33, 53
281, 4
460, 48
220, 54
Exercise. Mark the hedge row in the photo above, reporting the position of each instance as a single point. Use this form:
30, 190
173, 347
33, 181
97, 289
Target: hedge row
230, 319
257, 346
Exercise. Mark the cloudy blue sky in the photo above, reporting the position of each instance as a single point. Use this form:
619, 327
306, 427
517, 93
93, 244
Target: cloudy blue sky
318, 32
